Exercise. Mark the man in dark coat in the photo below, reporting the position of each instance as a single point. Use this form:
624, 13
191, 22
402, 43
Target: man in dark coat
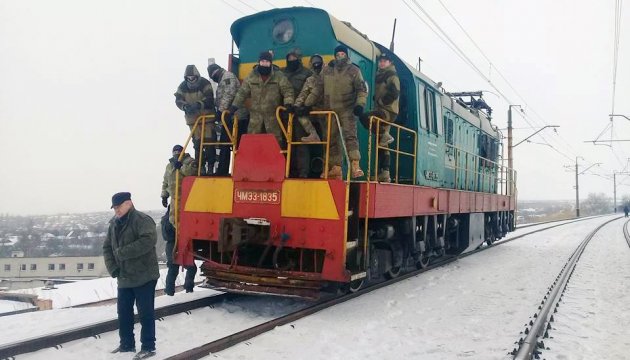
129, 252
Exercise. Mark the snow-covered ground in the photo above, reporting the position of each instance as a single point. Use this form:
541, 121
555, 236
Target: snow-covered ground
8, 306
593, 319
89, 291
473, 308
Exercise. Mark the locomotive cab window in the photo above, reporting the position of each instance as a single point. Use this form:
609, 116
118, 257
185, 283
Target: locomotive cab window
283, 31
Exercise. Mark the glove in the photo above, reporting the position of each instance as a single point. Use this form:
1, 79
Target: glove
290, 109
186, 107
177, 165
358, 110
115, 273
387, 99
164, 201
194, 107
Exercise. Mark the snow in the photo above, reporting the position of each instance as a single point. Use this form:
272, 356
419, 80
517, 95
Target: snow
474, 308
88, 291
595, 307
7, 306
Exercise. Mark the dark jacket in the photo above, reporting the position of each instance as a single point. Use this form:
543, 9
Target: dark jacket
129, 250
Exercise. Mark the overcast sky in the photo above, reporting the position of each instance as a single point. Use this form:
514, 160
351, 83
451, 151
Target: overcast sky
87, 106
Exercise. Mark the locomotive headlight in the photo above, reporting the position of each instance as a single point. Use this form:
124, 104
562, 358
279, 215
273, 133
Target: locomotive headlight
283, 31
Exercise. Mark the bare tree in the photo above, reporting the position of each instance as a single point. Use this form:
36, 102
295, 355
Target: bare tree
596, 204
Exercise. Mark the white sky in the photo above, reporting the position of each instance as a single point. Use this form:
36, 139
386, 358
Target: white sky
87, 106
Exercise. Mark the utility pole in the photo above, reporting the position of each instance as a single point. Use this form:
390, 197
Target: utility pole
577, 190
509, 139
615, 191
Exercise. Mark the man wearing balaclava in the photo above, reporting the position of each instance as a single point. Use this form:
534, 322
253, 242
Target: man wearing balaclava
268, 89
195, 98
345, 92
297, 74
310, 98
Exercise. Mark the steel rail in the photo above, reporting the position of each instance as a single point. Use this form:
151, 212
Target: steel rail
246, 334
552, 221
93, 330
528, 347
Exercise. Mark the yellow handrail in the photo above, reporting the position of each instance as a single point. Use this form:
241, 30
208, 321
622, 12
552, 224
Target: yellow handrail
233, 137
379, 122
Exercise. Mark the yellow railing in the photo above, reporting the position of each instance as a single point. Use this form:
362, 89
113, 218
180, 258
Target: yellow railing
378, 122
232, 135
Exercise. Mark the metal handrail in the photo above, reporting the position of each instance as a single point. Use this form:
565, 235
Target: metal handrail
502, 174
233, 137
379, 122
290, 143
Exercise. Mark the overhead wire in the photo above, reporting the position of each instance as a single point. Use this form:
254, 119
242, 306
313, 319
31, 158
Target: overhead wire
458, 51
498, 71
233, 7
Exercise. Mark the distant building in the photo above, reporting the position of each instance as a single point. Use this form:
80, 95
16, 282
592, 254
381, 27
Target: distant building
68, 267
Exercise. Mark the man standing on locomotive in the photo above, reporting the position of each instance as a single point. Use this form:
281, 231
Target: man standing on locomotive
268, 88
345, 92
311, 97
227, 87
129, 253
297, 74
195, 97
386, 95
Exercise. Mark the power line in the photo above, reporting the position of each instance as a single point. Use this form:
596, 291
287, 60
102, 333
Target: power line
249, 6
233, 7
455, 48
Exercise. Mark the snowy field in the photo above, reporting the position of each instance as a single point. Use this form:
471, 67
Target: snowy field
474, 308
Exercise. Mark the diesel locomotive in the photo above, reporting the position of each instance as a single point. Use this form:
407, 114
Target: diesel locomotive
261, 231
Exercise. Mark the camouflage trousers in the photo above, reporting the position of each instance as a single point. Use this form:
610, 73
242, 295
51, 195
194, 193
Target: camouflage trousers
349, 132
260, 123
384, 154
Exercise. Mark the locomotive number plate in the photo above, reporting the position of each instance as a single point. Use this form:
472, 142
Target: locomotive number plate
257, 196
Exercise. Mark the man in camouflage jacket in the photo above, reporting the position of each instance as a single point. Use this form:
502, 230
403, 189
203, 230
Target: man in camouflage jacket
195, 97
297, 74
386, 96
267, 88
187, 166
345, 92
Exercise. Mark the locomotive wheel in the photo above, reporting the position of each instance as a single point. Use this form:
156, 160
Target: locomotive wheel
422, 263
393, 272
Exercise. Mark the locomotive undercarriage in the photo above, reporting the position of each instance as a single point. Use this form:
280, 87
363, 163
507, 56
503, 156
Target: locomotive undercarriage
245, 260
400, 245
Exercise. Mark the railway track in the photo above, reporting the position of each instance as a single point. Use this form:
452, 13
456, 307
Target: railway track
93, 330
244, 335
536, 330
10, 350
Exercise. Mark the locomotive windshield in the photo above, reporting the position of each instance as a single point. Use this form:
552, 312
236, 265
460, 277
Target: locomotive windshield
283, 31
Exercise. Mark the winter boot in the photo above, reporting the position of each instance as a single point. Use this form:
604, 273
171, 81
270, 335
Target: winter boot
143, 354
312, 137
383, 176
356, 169
121, 349
335, 173
386, 139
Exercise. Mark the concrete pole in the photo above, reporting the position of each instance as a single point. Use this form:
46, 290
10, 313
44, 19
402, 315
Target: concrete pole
510, 160
577, 190
615, 190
